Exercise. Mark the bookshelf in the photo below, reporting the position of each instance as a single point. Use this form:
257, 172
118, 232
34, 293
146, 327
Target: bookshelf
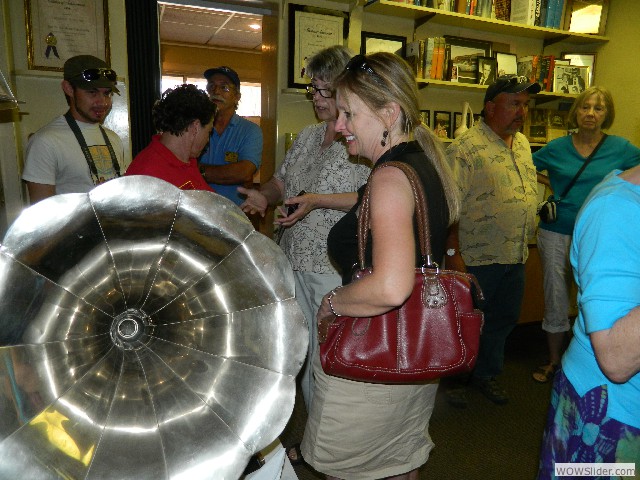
422, 15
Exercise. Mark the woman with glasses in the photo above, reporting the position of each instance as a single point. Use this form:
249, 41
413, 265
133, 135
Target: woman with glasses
591, 113
317, 163
358, 430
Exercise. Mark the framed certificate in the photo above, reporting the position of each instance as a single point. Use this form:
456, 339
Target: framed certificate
309, 32
57, 31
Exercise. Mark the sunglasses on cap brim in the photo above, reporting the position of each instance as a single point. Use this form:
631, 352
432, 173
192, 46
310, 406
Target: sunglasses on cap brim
93, 74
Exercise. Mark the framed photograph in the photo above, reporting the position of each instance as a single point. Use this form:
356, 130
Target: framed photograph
442, 124
426, 117
507, 64
378, 42
487, 68
536, 125
570, 79
582, 60
311, 30
57, 31
586, 16
464, 54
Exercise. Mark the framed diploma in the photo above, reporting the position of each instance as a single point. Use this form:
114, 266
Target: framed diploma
311, 30
63, 29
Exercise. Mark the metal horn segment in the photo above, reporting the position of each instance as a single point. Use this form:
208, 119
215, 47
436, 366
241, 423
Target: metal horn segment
147, 332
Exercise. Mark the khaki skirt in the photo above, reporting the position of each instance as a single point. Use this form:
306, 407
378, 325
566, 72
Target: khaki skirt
358, 430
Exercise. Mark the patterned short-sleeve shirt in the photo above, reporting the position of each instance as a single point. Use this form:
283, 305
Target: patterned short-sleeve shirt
332, 171
498, 188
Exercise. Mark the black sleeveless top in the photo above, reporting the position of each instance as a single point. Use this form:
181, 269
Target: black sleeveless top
342, 242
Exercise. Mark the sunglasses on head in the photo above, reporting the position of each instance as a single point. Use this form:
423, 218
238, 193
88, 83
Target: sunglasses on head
359, 62
93, 74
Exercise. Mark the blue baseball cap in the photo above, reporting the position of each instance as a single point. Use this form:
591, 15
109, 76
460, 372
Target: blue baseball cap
227, 72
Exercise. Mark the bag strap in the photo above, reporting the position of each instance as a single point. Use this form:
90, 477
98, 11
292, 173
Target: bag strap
584, 165
421, 213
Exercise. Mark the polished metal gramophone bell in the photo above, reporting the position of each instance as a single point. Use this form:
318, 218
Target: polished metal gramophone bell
145, 333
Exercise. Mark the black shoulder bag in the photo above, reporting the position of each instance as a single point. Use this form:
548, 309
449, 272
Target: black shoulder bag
548, 209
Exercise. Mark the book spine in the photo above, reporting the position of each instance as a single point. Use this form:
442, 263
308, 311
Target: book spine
549, 79
461, 6
428, 56
434, 61
420, 65
559, 13
439, 59
537, 12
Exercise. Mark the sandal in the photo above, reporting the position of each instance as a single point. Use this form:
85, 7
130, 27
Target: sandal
295, 455
545, 373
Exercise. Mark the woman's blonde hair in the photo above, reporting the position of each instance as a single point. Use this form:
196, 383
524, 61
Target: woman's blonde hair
603, 95
380, 78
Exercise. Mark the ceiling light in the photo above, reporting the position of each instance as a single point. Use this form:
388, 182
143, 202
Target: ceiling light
254, 26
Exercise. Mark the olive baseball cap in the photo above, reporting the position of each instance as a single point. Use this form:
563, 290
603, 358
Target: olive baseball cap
87, 71
227, 72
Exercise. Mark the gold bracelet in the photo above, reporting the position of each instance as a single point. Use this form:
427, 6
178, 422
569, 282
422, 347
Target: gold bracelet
333, 292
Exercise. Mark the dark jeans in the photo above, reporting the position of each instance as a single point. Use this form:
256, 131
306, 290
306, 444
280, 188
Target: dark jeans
503, 289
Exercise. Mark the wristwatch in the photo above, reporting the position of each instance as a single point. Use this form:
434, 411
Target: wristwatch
451, 252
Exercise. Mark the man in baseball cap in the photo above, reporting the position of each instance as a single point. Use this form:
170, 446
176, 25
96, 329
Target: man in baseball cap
494, 171
74, 152
235, 146
87, 71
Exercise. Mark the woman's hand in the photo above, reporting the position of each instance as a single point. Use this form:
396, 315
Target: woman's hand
255, 202
296, 208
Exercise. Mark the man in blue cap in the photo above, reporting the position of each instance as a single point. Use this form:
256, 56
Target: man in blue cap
235, 147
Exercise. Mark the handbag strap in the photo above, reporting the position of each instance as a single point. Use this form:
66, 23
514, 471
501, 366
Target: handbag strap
422, 216
584, 165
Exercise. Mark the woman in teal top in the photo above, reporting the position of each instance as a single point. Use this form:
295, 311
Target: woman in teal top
591, 112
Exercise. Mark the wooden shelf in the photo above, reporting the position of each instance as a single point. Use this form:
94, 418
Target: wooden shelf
423, 14
472, 87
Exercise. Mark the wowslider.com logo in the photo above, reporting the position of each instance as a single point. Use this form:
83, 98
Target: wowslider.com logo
595, 469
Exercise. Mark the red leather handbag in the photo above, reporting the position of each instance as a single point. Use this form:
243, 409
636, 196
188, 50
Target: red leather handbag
435, 333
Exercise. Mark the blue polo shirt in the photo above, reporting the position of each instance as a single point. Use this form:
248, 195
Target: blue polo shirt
241, 140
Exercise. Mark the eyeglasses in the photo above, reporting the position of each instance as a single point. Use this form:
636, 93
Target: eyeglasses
213, 87
93, 74
324, 92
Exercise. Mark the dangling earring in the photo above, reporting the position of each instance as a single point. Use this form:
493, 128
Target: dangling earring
385, 134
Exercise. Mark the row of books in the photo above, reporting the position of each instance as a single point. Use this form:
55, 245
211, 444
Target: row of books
540, 68
541, 13
428, 58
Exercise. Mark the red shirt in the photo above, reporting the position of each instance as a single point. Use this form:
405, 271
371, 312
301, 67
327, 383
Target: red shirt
158, 161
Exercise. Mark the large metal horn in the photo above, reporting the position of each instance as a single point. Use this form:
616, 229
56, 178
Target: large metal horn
148, 333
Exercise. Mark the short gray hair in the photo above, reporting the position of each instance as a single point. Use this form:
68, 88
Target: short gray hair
328, 63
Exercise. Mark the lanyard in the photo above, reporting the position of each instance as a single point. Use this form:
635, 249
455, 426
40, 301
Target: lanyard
85, 149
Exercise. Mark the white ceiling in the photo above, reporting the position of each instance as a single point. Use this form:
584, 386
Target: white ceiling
195, 25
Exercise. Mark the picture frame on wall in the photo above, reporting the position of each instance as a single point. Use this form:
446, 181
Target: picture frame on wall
487, 69
442, 124
57, 31
584, 60
464, 54
379, 42
426, 117
507, 64
311, 30
571, 79
586, 16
